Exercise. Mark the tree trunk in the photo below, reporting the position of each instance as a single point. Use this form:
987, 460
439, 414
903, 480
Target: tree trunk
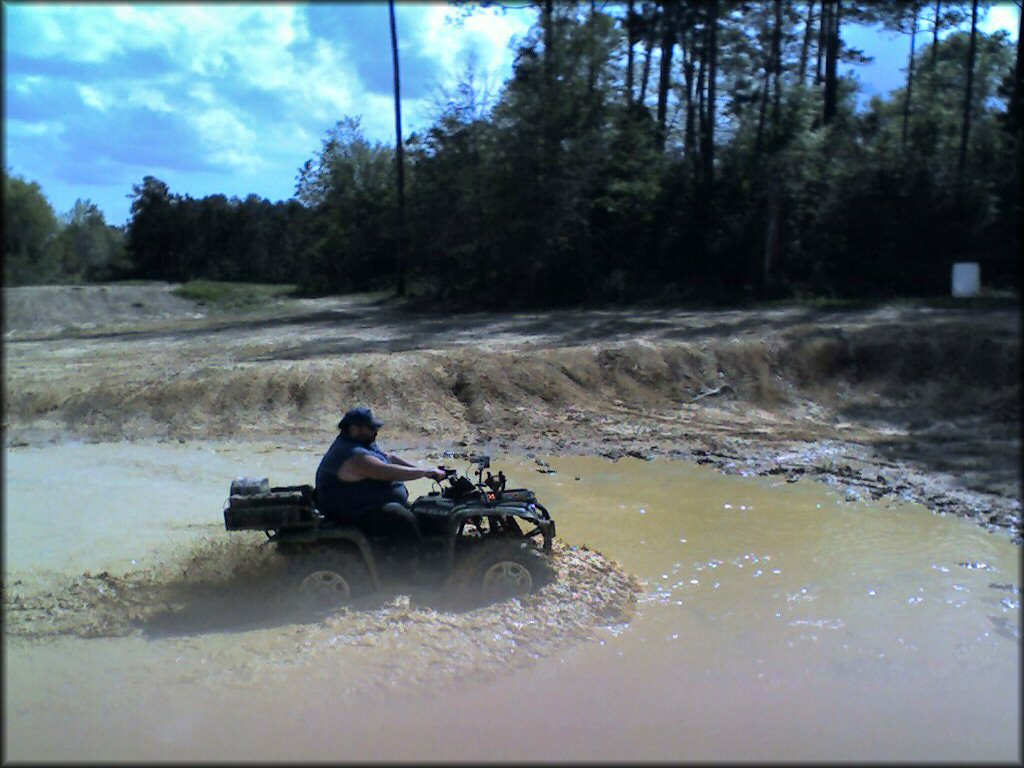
708, 153
702, 117
587, 251
591, 63
1017, 112
770, 61
400, 288
806, 47
645, 73
966, 123
587, 254
771, 237
687, 51
1018, 85
910, 78
777, 63
668, 40
824, 22
935, 34
832, 66
547, 119
631, 41
547, 24
761, 112
547, 174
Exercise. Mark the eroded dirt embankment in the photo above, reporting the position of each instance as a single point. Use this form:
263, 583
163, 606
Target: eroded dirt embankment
918, 402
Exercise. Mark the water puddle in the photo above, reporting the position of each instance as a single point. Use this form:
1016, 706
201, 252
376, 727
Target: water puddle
708, 616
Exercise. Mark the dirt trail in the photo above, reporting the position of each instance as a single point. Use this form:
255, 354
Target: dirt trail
917, 402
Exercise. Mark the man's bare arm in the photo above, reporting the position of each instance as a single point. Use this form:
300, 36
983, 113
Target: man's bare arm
395, 459
363, 467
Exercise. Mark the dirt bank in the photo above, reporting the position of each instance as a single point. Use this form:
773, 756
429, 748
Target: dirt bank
46, 310
911, 401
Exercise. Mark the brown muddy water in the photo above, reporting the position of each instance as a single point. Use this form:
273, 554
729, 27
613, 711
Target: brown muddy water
767, 620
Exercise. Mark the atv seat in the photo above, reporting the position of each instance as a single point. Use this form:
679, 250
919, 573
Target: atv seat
432, 519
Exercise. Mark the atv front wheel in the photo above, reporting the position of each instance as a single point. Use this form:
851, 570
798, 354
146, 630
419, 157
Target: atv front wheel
500, 571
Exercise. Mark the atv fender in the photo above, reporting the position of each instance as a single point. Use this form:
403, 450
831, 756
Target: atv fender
474, 509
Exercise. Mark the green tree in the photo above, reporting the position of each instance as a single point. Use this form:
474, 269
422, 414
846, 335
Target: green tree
87, 249
30, 227
753, 171
349, 187
153, 230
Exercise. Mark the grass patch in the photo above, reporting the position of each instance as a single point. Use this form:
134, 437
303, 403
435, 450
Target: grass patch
988, 299
129, 281
223, 295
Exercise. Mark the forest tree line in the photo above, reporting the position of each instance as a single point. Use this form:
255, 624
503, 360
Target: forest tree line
42, 247
708, 151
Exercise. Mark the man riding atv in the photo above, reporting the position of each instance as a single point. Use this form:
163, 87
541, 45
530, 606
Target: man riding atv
356, 533
358, 484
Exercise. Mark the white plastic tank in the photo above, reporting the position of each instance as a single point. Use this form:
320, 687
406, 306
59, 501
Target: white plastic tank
966, 279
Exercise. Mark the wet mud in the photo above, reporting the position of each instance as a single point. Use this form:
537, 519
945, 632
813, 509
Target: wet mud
231, 585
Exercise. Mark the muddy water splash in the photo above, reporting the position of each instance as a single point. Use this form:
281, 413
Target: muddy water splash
233, 585
211, 585
777, 620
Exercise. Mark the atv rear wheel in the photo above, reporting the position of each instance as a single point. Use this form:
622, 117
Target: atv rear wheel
325, 586
498, 571
329, 576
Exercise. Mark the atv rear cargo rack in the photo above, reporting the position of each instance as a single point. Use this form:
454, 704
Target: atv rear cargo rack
286, 506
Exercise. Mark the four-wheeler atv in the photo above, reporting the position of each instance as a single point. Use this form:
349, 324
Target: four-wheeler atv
472, 540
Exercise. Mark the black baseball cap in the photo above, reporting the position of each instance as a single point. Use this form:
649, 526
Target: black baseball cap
361, 416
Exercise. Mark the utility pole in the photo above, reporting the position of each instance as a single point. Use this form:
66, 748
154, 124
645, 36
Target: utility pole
400, 289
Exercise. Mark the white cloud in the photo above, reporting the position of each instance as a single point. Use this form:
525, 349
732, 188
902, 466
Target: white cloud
250, 45
378, 116
262, 47
486, 31
202, 92
25, 84
142, 25
229, 141
148, 98
325, 87
220, 57
1001, 16
26, 128
91, 97
75, 32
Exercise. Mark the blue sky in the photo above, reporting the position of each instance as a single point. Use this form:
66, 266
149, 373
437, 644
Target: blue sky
234, 98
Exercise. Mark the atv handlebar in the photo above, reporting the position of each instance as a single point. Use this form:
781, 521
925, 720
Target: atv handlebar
460, 486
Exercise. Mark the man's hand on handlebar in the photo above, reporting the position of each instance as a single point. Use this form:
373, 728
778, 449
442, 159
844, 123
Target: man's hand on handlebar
435, 474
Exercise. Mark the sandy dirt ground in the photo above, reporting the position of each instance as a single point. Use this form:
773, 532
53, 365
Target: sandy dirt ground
903, 401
